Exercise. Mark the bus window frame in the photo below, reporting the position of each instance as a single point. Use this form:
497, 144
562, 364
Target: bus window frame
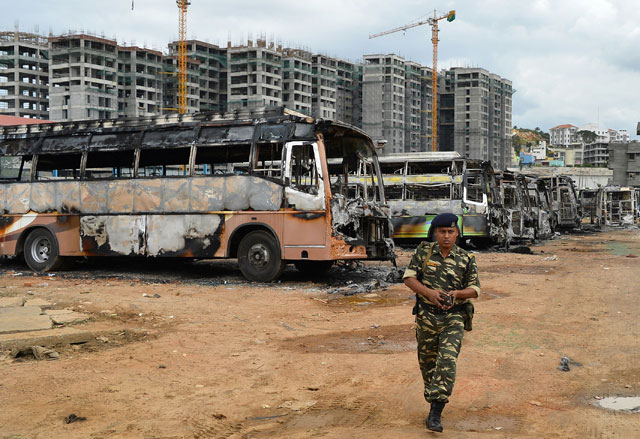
295, 197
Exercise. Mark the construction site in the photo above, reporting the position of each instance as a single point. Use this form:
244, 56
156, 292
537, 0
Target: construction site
211, 242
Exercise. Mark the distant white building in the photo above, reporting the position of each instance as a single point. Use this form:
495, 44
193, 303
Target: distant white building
619, 136
539, 151
597, 153
607, 135
563, 135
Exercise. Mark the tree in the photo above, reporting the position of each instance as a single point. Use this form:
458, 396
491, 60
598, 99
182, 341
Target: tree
587, 136
517, 143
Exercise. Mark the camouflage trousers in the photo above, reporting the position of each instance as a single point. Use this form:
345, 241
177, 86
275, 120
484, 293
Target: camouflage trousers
439, 338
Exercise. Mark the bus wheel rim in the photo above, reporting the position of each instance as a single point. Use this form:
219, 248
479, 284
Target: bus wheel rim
258, 255
40, 250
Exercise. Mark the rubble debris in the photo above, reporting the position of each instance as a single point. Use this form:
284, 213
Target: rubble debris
74, 418
38, 352
565, 362
395, 276
522, 249
66, 316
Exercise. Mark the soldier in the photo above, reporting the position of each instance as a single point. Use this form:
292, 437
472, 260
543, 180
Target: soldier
444, 278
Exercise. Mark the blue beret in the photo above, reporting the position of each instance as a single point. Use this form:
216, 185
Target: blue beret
445, 220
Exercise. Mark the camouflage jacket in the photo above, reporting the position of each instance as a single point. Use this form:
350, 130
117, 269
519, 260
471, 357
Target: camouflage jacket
455, 272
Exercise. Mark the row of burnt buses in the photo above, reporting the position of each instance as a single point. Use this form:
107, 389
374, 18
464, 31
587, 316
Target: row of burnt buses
269, 187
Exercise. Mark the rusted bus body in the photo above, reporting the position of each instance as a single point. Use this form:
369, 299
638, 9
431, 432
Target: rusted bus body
620, 206
565, 201
514, 218
540, 207
420, 186
193, 186
593, 206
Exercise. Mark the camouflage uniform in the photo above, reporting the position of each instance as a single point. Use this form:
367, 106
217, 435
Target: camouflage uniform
439, 335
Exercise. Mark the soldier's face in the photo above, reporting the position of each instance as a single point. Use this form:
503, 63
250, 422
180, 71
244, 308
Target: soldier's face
446, 236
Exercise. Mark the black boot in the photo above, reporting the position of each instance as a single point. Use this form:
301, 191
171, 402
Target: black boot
433, 420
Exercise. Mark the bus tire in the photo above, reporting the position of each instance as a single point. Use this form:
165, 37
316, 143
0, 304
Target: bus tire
313, 268
41, 251
259, 257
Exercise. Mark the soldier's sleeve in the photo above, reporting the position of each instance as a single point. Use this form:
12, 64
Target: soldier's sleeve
415, 266
471, 279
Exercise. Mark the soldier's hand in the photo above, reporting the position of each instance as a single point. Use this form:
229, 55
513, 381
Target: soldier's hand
435, 298
448, 300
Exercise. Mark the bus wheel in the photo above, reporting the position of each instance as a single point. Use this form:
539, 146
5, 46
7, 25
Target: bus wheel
259, 257
313, 268
41, 251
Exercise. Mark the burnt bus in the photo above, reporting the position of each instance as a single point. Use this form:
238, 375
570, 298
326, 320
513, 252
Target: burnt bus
565, 202
253, 185
419, 186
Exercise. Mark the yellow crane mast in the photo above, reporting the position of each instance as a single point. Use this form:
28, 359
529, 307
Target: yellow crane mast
433, 22
182, 56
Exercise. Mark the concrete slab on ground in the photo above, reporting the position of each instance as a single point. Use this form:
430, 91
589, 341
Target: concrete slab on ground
49, 337
43, 304
22, 319
6, 302
67, 318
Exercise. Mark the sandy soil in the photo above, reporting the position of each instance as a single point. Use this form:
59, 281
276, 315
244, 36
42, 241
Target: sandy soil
214, 357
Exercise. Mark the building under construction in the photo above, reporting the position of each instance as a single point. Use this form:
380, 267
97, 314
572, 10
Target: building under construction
396, 102
24, 75
475, 115
91, 77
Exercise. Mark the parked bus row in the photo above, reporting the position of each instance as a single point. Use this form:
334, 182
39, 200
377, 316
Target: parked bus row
493, 207
253, 185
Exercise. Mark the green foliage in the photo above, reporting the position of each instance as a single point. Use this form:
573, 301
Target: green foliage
587, 136
517, 143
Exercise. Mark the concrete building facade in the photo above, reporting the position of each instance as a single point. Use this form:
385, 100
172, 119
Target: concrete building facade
624, 160
475, 112
296, 80
24, 75
383, 100
212, 73
596, 154
324, 87
140, 81
170, 84
254, 76
426, 113
83, 77
413, 107
346, 81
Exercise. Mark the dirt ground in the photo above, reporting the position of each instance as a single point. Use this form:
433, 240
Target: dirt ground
215, 357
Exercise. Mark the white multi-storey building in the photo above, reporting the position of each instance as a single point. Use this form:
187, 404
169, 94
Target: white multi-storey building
563, 135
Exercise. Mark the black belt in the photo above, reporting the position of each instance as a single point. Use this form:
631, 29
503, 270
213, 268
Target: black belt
439, 311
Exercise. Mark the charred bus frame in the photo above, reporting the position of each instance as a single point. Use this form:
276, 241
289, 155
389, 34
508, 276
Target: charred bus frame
419, 186
251, 184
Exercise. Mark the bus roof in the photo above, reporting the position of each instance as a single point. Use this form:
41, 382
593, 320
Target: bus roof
419, 157
265, 124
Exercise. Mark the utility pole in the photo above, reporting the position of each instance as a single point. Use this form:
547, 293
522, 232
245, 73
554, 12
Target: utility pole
433, 22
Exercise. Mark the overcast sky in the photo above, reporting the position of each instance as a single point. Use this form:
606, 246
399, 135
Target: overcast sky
571, 61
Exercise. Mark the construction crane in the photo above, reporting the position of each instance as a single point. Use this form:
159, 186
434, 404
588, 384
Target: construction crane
433, 22
182, 56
